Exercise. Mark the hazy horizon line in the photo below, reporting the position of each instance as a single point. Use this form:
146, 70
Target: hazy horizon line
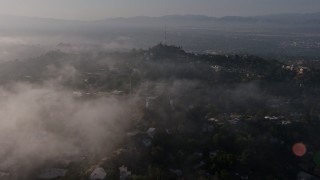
165, 15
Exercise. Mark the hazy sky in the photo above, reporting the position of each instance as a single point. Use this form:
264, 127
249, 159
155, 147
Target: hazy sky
99, 9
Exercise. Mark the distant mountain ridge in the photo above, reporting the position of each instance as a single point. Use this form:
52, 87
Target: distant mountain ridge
275, 18
287, 17
276, 21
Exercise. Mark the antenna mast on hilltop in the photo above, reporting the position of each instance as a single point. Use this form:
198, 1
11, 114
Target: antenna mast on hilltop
165, 34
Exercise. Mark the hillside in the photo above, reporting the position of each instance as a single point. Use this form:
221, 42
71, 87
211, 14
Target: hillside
161, 112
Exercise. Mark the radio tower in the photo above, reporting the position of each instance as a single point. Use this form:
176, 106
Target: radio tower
165, 35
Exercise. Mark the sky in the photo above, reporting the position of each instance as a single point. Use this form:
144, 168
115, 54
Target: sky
100, 9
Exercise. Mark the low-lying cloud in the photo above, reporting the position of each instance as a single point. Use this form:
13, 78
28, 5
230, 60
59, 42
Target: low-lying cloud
44, 122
